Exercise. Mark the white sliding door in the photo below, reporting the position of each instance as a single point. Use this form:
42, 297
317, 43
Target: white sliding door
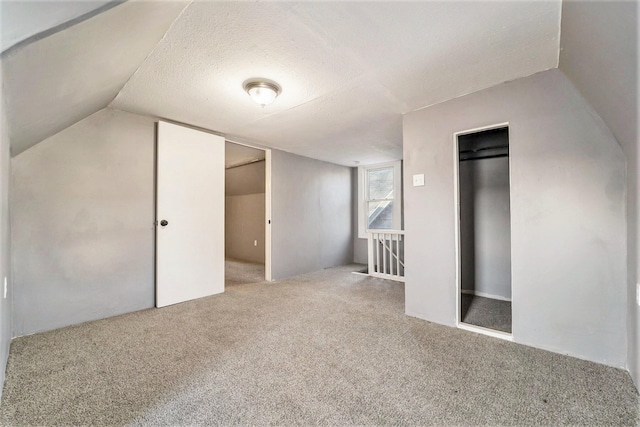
189, 214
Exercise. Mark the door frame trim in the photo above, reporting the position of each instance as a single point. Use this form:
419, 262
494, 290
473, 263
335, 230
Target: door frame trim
267, 206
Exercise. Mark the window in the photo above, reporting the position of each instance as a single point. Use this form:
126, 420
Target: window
380, 198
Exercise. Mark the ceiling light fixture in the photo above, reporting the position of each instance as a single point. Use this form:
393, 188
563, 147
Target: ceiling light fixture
262, 91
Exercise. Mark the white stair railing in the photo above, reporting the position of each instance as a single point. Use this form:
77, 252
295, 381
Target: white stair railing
386, 254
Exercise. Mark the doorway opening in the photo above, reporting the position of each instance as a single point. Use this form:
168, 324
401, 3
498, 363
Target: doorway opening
484, 231
247, 248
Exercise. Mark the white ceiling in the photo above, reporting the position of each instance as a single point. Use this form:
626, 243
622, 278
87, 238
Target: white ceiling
57, 81
348, 69
20, 20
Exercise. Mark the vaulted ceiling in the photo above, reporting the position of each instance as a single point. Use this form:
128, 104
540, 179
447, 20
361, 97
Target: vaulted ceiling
56, 81
348, 70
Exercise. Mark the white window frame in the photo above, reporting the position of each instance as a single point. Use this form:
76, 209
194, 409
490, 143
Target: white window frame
362, 195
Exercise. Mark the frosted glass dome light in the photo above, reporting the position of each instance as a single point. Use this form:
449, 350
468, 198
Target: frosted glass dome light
262, 92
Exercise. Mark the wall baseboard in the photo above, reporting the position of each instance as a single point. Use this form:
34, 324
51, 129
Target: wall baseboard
484, 294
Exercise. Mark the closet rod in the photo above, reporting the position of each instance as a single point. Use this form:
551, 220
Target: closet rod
494, 156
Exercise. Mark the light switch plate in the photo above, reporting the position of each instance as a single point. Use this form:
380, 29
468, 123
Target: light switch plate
418, 180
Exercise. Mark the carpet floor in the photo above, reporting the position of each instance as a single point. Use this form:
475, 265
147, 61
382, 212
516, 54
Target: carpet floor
326, 348
238, 272
486, 312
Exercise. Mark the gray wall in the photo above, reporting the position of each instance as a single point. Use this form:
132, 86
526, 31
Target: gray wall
84, 244
567, 215
599, 55
485, 236
311, 215
360, 249
245, 212
5, 247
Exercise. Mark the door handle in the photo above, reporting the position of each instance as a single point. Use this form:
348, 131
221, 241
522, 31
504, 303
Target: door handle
164, 222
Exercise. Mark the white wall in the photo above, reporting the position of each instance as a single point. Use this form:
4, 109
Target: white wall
600, 56
485, 227
84, 241
567, 215
311, 215
245, 212
5, 246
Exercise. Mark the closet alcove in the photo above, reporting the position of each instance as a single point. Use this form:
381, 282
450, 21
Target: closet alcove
485, 230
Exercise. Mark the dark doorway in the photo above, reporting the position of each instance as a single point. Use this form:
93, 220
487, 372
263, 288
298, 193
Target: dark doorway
485, 230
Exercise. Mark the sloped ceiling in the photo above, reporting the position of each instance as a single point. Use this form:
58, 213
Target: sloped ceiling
236, 154
348, 70
22, 20
54, 82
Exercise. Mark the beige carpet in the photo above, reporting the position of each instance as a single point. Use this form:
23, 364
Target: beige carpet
328, 348
238, 272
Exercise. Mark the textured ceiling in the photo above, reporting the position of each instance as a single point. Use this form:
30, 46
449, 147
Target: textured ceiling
54, 82
348, 69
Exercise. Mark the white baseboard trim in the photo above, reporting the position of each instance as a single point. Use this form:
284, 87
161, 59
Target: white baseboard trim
485, 331
484, 294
